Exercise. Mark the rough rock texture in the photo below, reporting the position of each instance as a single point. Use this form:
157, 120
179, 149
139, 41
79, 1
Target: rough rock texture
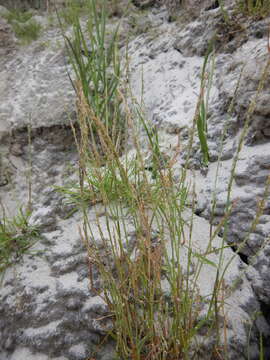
35, 87
240, 302
46, 305
47, 309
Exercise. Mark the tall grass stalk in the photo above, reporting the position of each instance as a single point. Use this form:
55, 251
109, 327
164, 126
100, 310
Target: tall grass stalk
202, 105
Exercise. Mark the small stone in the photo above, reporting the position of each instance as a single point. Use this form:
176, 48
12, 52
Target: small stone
16, 149
78, 352
9, 343
73, 304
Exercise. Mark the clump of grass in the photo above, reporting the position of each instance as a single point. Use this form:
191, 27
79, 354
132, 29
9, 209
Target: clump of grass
148, 322
28, 31
254, 8
18, 15
151, 283
25, 28
98, 182
72, 10
155, 307
16, 237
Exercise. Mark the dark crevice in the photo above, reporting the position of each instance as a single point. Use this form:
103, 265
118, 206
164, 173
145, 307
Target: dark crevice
265, 309
221, 232
242, 256
144, 4
55, 134
213, 6
198, 212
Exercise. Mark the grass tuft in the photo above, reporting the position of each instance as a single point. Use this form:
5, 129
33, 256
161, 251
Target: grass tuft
16, 237
19, 16
27, 32
25, 28
254, 8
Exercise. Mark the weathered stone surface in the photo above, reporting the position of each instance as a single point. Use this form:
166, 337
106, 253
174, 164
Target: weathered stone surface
35, 87
47, 309
240, 302
255, 73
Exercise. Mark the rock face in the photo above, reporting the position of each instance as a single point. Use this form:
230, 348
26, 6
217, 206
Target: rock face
34, 80
47, 307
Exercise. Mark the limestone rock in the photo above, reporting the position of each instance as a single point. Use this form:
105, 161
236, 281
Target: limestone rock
47, 309
35, 87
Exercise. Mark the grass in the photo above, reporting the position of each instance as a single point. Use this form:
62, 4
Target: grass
155, 307
254, 8
74, 9
16, 237
96, 64
19, 16
27, 32
134, 284
202, 105
25, 28
151, 280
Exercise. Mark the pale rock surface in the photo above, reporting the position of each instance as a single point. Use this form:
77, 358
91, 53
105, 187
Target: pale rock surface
35, 87
52, 312
47, 309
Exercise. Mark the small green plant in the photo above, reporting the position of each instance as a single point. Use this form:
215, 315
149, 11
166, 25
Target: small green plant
28, 31
16, 237
103, 184
25, 28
